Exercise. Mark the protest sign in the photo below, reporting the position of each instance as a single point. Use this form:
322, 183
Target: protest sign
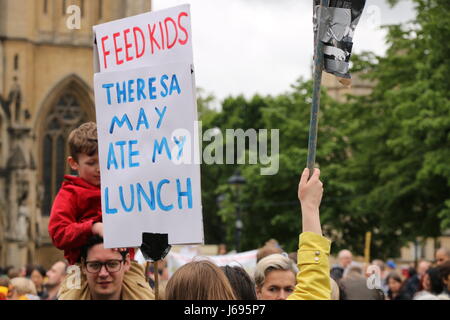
148, 39
146, 122
146, 119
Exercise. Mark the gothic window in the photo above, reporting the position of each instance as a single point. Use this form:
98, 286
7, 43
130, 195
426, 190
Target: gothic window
62, 119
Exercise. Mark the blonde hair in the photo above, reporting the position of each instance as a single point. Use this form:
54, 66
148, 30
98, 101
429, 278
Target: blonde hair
83, 140
199, 280
273, 262
23, 286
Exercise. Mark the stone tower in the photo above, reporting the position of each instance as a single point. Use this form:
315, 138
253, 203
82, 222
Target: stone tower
46, 89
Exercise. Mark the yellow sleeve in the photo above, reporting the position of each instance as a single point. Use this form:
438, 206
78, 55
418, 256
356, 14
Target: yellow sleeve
313, 278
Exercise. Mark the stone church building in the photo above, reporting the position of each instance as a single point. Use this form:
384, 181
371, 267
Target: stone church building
46, 90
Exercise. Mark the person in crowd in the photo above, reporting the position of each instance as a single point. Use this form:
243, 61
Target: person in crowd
431, 284
76, 212
37, 275
199, 280
203, 280
222, 249
275, 277
396, 288
4, 287
55, 278
105, 269
409, 272
313, 278
442, 255
335, 291
354, 287
444, 270
242, 284
345, 258
383, 274
163, 273
269, 248
391, 266
336, 273
412, 284
22, 288
293, 257
13, 272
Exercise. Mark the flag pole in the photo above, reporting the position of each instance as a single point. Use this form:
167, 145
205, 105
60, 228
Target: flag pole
156, 280
317, 80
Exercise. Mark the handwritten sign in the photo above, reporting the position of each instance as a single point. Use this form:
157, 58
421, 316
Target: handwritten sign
146, 122
147, 39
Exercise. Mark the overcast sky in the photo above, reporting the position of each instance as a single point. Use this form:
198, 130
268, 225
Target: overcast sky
263, 46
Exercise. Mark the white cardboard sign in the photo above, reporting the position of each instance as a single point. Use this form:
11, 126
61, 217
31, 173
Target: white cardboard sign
148, 39
146, 129
146, 113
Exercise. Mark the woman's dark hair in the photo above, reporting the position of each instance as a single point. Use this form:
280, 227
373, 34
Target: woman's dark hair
435, 281
243, 286
411, 272
402, 293
444, 270
39, 269
92, 241
395, 276
337, 273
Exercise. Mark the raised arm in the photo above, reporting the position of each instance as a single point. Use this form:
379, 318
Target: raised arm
313, 278
310, 195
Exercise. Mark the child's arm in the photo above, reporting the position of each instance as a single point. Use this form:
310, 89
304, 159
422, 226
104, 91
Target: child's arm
313, 278
64, 229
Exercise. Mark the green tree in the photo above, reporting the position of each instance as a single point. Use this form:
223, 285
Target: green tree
385, 156
399, 137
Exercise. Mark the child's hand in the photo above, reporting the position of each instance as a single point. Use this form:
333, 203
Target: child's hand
97, 228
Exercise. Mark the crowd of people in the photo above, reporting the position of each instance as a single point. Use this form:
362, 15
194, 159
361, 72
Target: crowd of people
274, 279
93, 272
32, 282
428, 281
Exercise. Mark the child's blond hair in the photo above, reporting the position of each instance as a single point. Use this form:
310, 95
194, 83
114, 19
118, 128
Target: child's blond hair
83, 140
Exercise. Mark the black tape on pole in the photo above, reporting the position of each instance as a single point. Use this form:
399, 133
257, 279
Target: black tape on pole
155, 246
337, 26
